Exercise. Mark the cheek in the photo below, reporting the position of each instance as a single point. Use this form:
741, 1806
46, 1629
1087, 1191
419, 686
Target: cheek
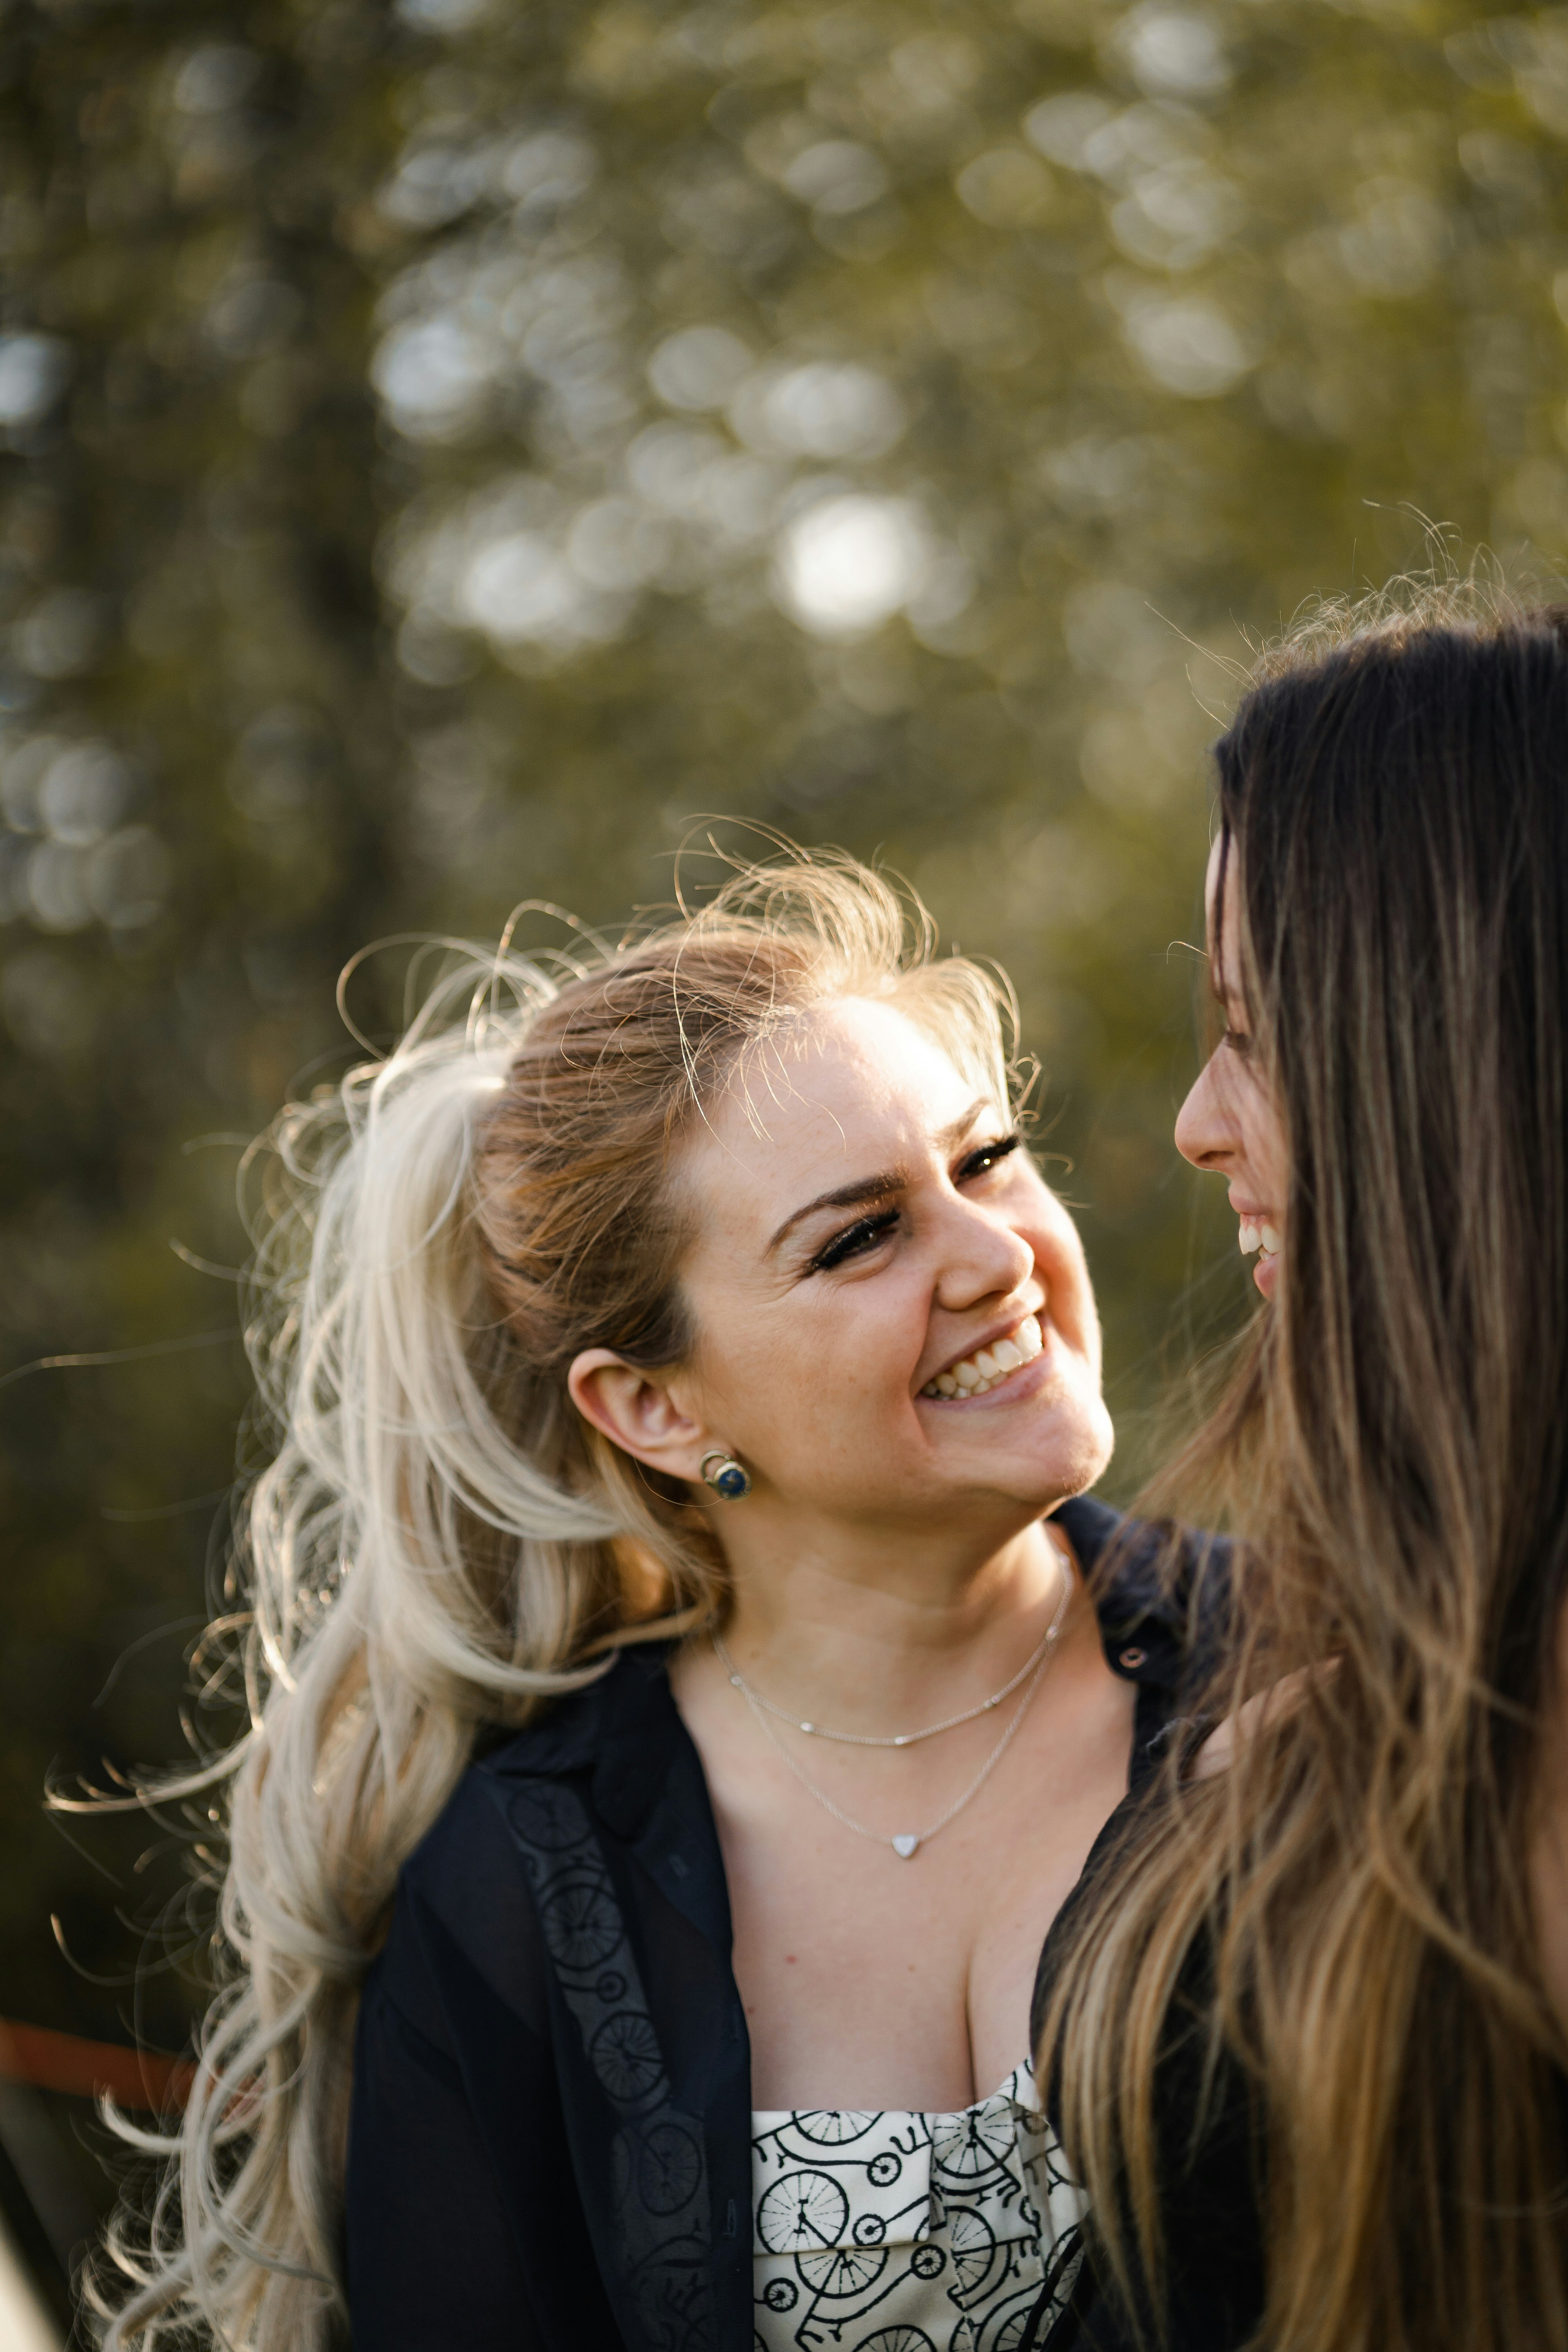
1263, 1138
1058, 1255
799, 1368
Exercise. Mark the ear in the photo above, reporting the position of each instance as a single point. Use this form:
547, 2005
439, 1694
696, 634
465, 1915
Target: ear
636, 1411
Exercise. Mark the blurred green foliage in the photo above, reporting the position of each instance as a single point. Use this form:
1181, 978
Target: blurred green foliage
447, 447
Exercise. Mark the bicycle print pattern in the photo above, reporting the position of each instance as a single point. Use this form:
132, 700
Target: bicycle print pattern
903, 2232
658, 2154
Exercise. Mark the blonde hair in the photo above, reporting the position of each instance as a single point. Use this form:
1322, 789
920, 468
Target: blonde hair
440, 1541
1349, 1916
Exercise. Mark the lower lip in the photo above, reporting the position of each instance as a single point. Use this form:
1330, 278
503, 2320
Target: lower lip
1266, 1273
1018, 1386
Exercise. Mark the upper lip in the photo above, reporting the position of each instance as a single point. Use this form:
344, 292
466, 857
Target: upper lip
1003, 1329
1248, 1208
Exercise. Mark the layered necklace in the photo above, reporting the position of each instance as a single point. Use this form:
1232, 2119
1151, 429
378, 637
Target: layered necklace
907, 1842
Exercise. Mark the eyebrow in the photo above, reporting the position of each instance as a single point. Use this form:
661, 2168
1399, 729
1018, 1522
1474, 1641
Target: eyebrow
862, 1189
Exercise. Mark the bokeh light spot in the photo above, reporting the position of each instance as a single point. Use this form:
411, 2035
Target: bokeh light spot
850, 563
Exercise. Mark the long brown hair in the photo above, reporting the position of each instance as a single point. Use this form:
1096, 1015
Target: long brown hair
1354, 1905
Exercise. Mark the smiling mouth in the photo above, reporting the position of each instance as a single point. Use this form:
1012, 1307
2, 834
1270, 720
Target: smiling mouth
972, 1375
1255, 1234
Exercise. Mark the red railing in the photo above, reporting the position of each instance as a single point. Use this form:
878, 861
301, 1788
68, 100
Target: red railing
61, 2061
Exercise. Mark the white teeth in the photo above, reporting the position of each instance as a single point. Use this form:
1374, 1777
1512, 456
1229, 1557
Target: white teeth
982, 1371
1270, 1240
1246, 1234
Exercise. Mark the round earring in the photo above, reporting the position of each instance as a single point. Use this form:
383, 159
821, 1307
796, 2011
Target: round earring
725, 1476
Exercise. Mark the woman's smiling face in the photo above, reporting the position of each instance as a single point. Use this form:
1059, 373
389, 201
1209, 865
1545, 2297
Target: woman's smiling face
1229, 1125
867, 1233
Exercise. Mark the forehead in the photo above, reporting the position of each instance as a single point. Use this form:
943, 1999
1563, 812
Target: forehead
837, 1096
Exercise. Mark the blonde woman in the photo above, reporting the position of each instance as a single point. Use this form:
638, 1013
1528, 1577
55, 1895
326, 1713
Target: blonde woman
1307, 2020
679, 1708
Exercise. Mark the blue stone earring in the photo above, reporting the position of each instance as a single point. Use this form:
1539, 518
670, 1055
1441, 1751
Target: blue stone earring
726, 1478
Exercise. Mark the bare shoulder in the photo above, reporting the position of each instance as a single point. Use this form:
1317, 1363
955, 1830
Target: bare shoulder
1229, 1740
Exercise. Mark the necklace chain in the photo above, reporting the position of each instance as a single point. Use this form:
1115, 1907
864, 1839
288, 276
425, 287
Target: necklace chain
908, 1842
883, 1739
901, 1738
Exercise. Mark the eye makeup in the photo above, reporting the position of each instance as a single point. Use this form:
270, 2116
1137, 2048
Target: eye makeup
855, 1239
867, 1232
988, 1155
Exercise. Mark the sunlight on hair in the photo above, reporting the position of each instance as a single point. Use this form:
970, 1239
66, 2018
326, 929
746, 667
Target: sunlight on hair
439, 1541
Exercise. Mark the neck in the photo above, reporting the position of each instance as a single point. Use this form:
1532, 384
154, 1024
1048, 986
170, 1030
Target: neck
871, 1646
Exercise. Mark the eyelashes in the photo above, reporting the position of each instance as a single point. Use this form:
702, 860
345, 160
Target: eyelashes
862, 1235
867, 1232
989, 1154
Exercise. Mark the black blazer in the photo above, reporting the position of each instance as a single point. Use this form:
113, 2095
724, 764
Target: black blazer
549, 2136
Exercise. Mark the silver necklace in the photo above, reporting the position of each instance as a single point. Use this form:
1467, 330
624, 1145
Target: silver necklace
907, 1843
900, 1738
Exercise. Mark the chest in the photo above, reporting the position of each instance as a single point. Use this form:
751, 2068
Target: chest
873, 1981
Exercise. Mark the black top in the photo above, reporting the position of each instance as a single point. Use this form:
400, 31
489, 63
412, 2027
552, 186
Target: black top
549, 2136
1210, 2191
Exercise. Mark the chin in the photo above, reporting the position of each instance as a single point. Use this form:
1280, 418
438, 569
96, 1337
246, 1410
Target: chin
1072, 1456
1092, 1458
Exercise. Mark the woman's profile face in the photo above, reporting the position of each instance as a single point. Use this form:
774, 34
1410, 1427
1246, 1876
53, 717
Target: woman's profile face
1229, 1125
869, 1233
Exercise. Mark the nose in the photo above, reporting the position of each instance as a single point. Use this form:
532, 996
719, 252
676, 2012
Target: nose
981, 1257
1207, 1131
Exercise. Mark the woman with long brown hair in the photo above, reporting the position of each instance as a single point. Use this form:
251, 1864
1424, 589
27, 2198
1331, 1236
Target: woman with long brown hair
1306, 2020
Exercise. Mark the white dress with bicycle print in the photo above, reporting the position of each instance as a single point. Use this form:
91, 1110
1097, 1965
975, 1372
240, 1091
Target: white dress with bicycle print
899, 2232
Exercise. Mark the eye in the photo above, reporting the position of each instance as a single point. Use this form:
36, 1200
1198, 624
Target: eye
1237, 1041
855, 1241
989, 1155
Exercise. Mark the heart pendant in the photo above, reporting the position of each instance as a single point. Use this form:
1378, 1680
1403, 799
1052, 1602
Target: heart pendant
904, 1847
